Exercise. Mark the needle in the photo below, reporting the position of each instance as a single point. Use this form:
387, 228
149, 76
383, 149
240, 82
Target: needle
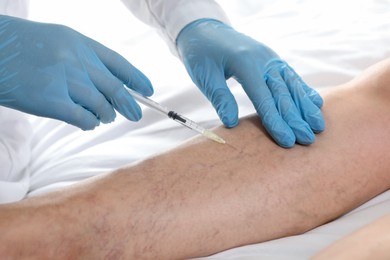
176, 117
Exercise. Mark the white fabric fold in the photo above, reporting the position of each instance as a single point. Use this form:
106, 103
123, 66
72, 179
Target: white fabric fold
15, 154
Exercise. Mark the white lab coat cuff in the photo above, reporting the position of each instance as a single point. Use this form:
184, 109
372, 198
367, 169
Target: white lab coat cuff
169, 17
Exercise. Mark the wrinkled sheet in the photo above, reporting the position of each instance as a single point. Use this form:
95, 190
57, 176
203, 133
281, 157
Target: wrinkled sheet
327, 42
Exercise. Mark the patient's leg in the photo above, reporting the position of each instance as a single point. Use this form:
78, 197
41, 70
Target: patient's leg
205, 197
369, 242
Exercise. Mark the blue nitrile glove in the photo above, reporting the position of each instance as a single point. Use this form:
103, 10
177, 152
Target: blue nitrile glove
53, 71
213, 52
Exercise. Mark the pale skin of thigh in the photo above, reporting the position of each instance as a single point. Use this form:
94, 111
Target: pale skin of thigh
369, 242
204, 197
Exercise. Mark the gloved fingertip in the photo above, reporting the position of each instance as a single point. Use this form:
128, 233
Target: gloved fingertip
129, 109
277, 128
113, 116
144, 85
229, 123
287, 141
308, 139
317, 100
108, 118
148, 91
316, 121
283, 137
87, 126
318, 126
81, 117
136, 115
226, 107
313, 95
229, 117
303, 133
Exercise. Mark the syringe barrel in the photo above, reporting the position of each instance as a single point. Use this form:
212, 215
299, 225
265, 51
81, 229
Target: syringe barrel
186, 122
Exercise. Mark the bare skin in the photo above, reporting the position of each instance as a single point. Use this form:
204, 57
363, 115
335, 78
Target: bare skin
204, 197
369, 242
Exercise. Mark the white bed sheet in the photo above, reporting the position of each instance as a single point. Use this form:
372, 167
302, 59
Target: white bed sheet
327, 42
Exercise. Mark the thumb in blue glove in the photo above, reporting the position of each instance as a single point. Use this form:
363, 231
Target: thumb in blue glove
53, 71
288, 108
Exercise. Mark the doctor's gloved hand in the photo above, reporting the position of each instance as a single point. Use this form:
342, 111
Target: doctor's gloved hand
288, 108
53, 71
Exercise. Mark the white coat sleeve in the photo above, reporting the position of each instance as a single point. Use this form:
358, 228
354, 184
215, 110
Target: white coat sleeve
169, 17
17, 8
15, 154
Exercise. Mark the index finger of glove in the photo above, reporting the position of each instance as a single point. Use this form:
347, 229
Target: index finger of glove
263, 101
211, 81
123, 70
115, 93
287, 108
292, 78
307, 100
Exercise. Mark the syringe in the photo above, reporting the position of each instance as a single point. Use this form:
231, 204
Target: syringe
175, 116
